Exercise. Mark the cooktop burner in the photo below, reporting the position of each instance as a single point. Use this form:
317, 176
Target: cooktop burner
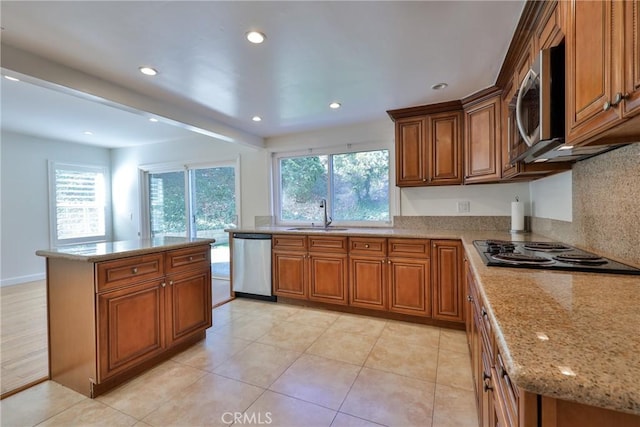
581, 258
546, 246
547, 256
522, 259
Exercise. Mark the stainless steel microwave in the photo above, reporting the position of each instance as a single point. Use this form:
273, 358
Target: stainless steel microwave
540, 100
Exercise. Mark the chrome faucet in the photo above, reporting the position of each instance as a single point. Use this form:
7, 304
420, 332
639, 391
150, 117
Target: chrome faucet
327, 220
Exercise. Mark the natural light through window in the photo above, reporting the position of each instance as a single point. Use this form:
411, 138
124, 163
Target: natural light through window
355, 185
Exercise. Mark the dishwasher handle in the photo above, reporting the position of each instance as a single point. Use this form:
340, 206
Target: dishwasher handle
252, 236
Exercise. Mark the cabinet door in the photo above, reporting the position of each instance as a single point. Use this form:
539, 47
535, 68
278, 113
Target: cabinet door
188, 304
411, 153
445, 148
367, 282
591, 73
631, 106
409, 289
328, 278
446, 258
482, 141
130, 327
290, 274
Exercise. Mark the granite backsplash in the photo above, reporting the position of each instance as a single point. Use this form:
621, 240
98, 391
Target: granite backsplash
606, 206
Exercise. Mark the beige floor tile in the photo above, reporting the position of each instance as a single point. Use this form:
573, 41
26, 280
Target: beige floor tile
292, 335
343, 346
278, 312
37, 403
410, 333
344, 420
390, 399
205, 403
317, 318
90, 412
454, 407
285, 411
393, 355
317, 380
359, 325
149, 391
454, 341
258, 364
454, 369
247, 327
211, 352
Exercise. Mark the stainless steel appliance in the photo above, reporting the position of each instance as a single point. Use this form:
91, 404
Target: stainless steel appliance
538, 110
251, 266
547, 256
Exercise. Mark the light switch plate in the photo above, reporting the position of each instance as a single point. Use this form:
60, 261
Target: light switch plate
464, 207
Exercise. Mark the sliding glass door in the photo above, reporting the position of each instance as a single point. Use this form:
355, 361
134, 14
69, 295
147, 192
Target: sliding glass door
196, 202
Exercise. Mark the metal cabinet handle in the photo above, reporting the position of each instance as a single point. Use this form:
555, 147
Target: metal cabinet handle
190, 258
366, 246
487, 387
163, 284
170, 282
484, 312
469, 298
134, 270
606, 106
424, 179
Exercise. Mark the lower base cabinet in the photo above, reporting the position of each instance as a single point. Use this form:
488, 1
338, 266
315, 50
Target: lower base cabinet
410, 286
110, 320
368, 282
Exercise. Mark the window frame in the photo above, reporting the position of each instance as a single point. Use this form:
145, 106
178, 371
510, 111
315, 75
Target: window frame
53, 213
331, 151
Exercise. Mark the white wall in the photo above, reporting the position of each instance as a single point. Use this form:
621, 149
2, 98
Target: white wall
24, 226
254, 173
552, 197
484, 199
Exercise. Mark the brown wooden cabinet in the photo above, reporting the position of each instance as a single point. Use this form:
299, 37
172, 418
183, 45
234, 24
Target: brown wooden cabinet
111, 319
368, 272
428, 145
311, 267
602, 72
409, 276
482, 138
448, 289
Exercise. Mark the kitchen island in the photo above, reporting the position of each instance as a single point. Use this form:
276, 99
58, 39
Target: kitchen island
564, 337
117, 308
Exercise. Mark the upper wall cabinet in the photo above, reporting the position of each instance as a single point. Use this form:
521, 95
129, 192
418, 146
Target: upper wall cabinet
603, 80
428, 145
482, 138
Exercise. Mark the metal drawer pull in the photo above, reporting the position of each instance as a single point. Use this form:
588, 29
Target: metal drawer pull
366, 246
163, 284
190, 258
134, 270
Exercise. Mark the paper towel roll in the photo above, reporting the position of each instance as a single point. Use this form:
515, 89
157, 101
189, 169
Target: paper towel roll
517, 216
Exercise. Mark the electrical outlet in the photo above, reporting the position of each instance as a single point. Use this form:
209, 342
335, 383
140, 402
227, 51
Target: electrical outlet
464, 207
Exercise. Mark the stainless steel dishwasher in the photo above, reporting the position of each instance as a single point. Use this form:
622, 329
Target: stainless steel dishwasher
251, 271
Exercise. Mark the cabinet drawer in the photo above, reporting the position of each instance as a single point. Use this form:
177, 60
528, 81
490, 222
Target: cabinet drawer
368, 246
289, 242
409, 248
507, 392
125, 271
188, 259
327, 244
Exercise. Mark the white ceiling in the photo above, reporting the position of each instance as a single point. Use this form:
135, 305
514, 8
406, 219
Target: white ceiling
370, 56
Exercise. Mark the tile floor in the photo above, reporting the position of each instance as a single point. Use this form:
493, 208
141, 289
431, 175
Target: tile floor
280, 365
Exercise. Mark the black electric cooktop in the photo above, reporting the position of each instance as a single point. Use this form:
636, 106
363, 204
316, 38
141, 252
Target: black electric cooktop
547, 256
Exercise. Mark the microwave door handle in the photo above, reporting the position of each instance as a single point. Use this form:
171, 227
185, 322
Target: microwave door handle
530, 77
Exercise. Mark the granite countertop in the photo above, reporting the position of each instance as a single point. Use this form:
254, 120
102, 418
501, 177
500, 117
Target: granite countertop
103, 251
568, 335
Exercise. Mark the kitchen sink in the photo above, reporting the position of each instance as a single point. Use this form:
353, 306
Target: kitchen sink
316, 229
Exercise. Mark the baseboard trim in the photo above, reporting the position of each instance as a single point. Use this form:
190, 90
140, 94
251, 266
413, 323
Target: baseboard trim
22, 279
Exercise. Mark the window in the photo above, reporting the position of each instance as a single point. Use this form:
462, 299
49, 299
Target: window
355, 185
79, 204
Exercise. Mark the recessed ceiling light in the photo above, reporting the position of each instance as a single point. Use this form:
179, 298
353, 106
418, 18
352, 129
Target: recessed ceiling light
255, 37
439, 86
256, 118
88, 132
335, 105
148, 71
13, 79
153, 119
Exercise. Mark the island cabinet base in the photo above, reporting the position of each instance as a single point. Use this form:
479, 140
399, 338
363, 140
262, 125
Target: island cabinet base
111, 320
